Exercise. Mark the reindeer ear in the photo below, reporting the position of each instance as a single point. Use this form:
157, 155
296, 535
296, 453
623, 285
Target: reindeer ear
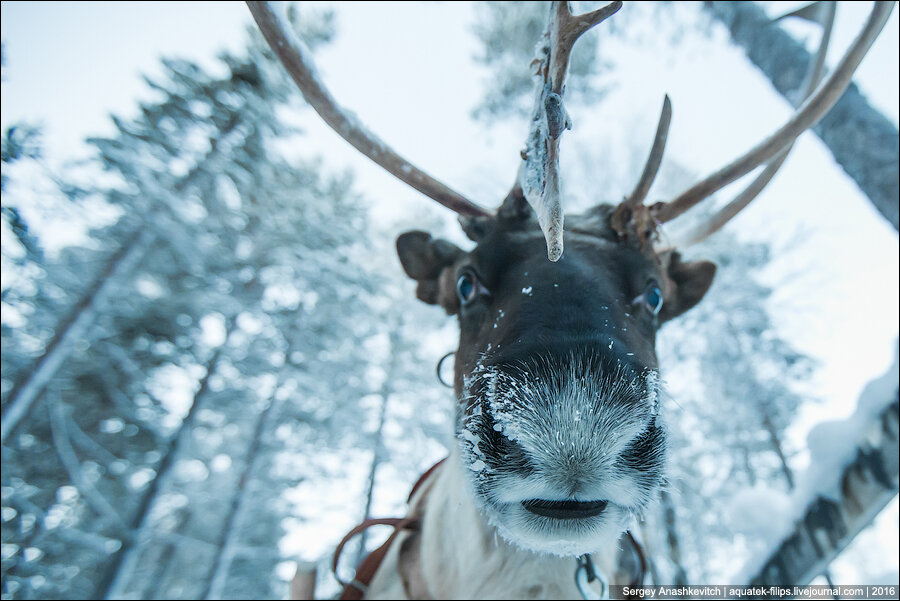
429, 262
687, 285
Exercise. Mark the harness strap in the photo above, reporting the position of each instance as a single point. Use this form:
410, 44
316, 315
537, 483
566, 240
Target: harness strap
423, 478
356, 589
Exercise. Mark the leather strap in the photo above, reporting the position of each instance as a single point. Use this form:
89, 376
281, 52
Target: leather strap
423, 478
357, 588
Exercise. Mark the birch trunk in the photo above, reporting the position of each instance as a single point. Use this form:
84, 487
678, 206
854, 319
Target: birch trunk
862, 140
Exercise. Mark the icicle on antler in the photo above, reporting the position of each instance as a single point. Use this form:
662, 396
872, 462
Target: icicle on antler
822, 13
810, 112
539, 173
297, 60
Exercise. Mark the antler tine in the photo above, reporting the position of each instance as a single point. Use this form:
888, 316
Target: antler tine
651, 168
297, 60
806, 116
713, 224
565, 31
822, 13
631, 218
539, 174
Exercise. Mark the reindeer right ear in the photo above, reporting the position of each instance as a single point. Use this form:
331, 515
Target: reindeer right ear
428, 261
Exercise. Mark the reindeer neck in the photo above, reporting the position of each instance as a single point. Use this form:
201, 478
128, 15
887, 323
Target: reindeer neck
463, 557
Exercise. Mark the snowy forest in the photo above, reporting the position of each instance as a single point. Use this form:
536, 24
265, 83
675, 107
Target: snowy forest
213, 365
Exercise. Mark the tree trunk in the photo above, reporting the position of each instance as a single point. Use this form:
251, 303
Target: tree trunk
114, 579
72, 329
867, 485
378, 446
786, 470
862, 140
166, 560
214, 587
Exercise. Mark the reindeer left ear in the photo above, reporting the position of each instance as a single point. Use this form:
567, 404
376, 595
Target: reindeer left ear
687, 285
429, 261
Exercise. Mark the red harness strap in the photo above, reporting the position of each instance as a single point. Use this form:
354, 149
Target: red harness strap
356, 589
423, 478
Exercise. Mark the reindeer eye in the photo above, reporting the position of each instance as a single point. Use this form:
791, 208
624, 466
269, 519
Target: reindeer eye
652, 298
466, 288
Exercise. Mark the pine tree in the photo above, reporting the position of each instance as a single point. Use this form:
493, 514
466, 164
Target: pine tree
750, 389
115, 455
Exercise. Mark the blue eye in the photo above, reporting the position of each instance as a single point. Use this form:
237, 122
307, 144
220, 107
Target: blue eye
653, 298
466, 288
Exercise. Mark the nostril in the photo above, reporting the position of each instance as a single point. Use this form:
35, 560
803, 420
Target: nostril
564, 510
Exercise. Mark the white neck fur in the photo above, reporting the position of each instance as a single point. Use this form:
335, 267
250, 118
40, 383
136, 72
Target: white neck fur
464, 558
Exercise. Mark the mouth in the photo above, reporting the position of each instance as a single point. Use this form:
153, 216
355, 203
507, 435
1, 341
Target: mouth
564, 510
564, 528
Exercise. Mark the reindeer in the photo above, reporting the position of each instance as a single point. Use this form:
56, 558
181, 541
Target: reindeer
560, 441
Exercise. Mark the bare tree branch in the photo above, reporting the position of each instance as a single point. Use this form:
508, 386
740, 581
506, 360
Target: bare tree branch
83, 440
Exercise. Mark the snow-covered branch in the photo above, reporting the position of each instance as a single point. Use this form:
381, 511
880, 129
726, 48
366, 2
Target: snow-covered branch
853, 474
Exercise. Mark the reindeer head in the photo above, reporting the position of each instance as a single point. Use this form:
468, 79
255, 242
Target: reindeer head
556, 373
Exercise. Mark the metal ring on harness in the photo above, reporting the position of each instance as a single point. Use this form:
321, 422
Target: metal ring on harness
440, 364
585, 573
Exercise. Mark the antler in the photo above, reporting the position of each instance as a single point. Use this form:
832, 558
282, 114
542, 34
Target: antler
806, 116
539, 174
655, 159
631, 216
297, 59
822, 13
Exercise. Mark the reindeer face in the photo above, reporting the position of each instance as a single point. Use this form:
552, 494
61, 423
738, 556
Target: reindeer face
556, 373
556, 370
